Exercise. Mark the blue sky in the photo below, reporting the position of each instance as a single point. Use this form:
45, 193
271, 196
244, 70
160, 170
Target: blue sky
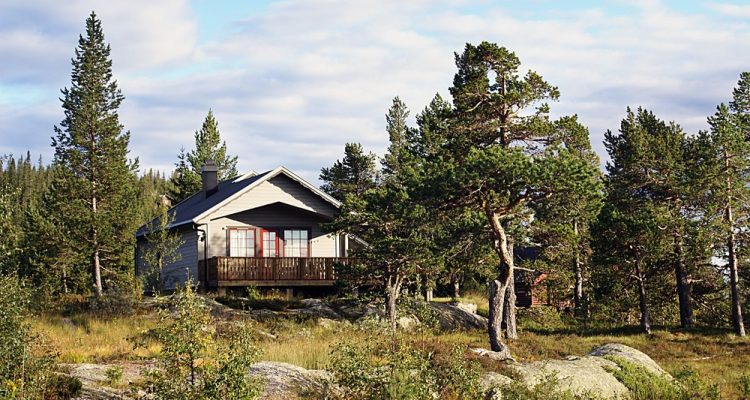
291, 81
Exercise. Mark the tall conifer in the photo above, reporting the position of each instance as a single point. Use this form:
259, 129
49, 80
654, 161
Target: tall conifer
94, 195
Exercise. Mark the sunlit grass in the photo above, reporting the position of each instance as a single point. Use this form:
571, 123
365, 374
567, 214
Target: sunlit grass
85, 338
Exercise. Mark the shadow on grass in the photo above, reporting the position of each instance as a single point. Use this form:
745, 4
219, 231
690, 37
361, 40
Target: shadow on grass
628, 330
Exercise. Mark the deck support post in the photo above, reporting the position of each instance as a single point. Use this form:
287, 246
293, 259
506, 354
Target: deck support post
221, 291
289, 293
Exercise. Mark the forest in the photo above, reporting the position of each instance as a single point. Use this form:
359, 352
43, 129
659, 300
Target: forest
651, 244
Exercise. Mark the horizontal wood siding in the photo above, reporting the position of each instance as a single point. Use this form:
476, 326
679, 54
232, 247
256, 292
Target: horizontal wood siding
280, 189
176, 273
271, 217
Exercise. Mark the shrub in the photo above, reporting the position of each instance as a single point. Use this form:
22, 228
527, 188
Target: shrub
743, 386
113, 375
196, 362
547, 388
62, 387
383, 369
25, 361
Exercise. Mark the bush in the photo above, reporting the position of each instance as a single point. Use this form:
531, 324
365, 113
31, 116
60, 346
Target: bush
123, 297
384, 369
196, 362
113, 375
25, 361
62, 387
548, 388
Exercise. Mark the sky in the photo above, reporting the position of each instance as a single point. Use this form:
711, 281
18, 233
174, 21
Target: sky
291, 82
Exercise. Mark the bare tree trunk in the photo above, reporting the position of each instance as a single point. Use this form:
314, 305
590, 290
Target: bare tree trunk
737, 323
509, 310
95, 264
642, 303
455, 285
579, 311
498, 287
494, 324
683, 286
393, 285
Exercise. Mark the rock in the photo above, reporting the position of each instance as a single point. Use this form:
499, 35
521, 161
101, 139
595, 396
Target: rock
327, 323
93, 377
582, 376
317, 308
587, 375
287, 381
492, 380
468, 307
458, 317
407, 323
629, 354
355, 310
493, 355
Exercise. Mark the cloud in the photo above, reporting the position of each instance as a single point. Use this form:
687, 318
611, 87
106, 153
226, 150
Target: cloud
292, 82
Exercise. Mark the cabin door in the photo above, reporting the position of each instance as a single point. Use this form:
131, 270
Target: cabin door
269, 243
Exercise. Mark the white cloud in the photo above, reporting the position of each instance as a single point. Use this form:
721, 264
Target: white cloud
292, 84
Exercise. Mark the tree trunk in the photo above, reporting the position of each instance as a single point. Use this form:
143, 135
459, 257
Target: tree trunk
683, 286
642, 303
579, 311
393, 285
737, 323
494, 323
509, 311
498, 287
95, 265
455, 285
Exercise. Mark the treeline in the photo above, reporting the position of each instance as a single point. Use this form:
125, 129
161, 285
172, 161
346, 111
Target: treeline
68, 225
659, 238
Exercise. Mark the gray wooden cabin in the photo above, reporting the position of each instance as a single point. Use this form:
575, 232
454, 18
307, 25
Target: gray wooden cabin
255, 229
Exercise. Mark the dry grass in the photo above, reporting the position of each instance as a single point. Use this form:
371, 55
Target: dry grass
718, 357
85, 338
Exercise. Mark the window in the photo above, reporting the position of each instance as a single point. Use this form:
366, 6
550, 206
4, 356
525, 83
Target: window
269, 241
295, 243
241, 242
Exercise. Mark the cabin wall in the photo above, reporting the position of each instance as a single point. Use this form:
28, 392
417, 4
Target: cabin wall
271, 217
174, 273
279, 189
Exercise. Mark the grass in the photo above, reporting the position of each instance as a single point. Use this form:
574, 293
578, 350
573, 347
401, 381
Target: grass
83, 338
717, 356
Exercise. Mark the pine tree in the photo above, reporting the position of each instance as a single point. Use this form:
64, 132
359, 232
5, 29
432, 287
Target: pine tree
208, 146
354, 174
94, 179
500, 164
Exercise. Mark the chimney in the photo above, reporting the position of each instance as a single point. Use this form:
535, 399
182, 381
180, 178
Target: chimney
209, 177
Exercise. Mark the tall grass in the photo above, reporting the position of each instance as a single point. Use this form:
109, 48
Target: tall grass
84, 338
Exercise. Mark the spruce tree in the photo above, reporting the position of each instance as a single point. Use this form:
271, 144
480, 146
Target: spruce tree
208, 146
94, 193
354, 174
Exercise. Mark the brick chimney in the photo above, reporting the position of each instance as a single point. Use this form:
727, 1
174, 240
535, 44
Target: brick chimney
209, 175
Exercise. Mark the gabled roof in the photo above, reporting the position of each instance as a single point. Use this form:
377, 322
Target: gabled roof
198, 206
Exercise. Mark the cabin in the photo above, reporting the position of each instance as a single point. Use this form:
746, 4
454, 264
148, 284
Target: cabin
252, 230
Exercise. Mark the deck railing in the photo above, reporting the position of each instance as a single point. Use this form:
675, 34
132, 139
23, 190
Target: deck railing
227, 269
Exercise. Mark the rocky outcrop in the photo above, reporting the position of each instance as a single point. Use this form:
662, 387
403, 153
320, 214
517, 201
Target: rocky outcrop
458, 316
287, 381
584, 376
94, 379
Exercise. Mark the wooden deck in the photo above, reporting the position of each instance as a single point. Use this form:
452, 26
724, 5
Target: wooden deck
270, 271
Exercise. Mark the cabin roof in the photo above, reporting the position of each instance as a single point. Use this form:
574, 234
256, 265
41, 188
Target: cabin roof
197, 206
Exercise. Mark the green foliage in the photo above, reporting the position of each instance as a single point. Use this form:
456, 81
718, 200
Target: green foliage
743, 386
196, 362
25, 362
354, 174
62, 387
93, 201
380, 369
113, 375
208, 146
161, 248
